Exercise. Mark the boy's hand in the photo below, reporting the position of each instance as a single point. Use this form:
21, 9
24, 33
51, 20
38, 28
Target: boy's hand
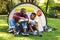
30, 23
36, 24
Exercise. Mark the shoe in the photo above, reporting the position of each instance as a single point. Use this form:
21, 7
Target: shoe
50, 29
23, 33
34, 33
40, 34
26, 34
15, 33
10, 31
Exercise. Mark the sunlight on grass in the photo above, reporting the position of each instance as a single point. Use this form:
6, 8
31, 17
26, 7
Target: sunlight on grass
3, 24
8, 36
53, 22
58, 37
5, 35
23, 38
2, 20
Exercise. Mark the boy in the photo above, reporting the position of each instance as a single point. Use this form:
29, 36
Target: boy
33, 24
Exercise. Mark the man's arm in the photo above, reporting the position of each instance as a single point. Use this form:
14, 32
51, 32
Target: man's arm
26, 18
16, 16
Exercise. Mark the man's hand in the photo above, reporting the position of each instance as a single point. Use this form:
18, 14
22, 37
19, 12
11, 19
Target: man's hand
21, 17
26, 19
20, 20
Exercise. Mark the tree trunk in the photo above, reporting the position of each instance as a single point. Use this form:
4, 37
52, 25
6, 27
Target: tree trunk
47, 6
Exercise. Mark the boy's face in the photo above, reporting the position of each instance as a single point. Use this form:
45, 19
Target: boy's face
32, 16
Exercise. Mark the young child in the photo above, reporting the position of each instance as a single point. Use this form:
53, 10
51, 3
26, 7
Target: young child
33, 24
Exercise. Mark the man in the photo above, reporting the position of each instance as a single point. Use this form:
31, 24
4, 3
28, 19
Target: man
22, 18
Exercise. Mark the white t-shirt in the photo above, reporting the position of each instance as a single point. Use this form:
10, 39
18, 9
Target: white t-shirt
32, 21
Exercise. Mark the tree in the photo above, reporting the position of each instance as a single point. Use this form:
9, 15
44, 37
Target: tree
2, 6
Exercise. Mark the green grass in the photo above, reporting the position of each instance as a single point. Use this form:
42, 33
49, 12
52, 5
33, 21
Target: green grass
54, 35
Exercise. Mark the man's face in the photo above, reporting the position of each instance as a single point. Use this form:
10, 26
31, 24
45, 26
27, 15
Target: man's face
23, 12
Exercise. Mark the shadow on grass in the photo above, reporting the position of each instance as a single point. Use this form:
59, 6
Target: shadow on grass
3, 29
46, 35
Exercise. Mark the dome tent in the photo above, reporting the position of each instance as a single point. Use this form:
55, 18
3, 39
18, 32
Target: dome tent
30, 8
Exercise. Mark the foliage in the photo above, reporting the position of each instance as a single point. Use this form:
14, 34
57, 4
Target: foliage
7, 5
2, 6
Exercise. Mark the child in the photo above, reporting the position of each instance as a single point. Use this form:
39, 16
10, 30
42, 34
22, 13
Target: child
33, 23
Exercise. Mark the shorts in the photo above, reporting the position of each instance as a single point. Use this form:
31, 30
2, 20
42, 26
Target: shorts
24, 24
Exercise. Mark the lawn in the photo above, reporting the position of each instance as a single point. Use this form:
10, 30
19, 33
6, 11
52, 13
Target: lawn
54, 35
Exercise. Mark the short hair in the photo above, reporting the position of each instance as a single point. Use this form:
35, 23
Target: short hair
23, 9
34, 14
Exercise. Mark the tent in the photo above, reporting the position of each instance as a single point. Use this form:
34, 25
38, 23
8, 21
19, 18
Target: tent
30, 8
